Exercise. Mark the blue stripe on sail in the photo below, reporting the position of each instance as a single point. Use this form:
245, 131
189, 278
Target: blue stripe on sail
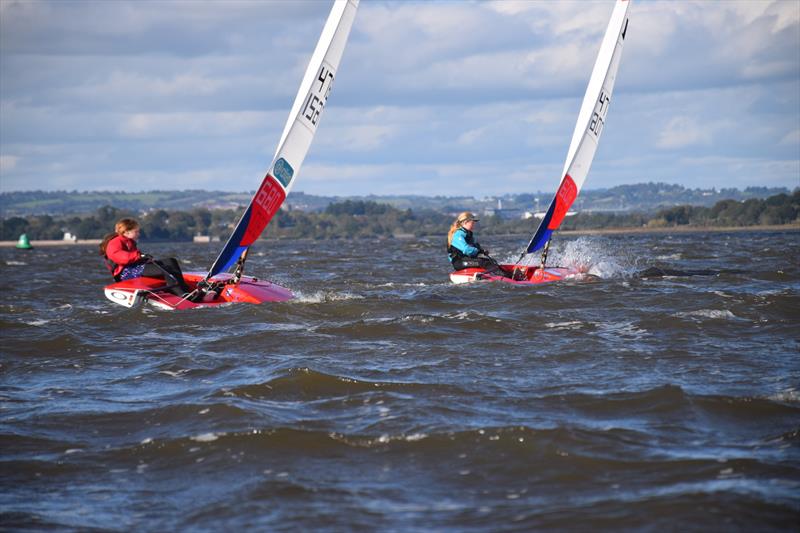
539, 240
542, 234
233, 249
235, 257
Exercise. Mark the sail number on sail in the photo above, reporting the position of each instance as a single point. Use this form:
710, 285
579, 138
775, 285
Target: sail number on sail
268, 199
315, 102
599, 115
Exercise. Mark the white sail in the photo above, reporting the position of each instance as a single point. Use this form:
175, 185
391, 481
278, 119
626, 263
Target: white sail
297, 135
315, 88
589, 127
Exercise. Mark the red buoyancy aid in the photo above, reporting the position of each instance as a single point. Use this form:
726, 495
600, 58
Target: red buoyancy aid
122, 251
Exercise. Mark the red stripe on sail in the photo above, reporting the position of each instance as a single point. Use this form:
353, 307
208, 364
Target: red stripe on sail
566, 194
266, 203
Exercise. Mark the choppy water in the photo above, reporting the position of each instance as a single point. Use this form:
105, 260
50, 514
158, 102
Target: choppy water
384, 397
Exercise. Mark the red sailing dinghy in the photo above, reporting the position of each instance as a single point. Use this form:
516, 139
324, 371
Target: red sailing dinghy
523, 275
217, 287
133, 292
585, 137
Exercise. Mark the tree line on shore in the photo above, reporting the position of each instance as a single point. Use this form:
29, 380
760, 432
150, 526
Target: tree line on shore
643, 197
366, 219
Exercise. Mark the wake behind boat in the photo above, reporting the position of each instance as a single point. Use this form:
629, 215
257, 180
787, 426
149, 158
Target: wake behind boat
582, 148
217, 286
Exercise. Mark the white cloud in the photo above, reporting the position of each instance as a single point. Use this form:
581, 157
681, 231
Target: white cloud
365, 129
576, 18
684, 131
181, 84
743, 172
792, 138
361, 138
185, 125
8, 162
428, 179
783, 14
483, 94
471, 136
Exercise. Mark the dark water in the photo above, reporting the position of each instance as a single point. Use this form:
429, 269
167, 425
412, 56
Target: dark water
386, 398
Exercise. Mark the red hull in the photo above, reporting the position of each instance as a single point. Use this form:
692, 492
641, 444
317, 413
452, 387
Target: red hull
249, 290
524, 275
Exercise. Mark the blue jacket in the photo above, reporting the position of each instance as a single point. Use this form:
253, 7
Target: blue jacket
463, 242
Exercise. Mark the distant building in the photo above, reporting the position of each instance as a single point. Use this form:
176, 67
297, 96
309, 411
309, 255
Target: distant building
505, 214
540, 214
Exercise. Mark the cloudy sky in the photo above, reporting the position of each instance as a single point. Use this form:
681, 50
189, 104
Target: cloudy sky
432, 97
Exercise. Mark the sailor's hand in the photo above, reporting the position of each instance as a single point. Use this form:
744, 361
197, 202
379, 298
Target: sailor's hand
484, 251
147, 258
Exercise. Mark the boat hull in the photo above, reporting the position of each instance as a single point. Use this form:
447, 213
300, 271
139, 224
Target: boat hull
137, 291
524, 275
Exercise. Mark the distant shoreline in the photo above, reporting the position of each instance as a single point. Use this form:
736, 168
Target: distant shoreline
34, 244
606, 231
684, 229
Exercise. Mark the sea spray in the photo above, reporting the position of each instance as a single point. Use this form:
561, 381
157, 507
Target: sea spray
598, 257
593, 255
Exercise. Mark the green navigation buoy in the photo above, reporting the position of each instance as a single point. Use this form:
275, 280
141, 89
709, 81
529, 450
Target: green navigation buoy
23, 243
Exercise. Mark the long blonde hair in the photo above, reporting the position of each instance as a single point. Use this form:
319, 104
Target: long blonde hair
459, 222
122, 225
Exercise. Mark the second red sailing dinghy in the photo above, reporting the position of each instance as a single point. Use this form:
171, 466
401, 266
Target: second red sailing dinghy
585, 137
217, 286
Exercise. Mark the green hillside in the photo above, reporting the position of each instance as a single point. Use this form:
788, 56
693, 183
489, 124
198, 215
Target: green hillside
624, 198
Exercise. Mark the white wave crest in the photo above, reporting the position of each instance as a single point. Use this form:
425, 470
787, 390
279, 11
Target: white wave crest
422, 319
788, 396
396, 284
719, 314
205, 437
174, 373
574, 324
324, 296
